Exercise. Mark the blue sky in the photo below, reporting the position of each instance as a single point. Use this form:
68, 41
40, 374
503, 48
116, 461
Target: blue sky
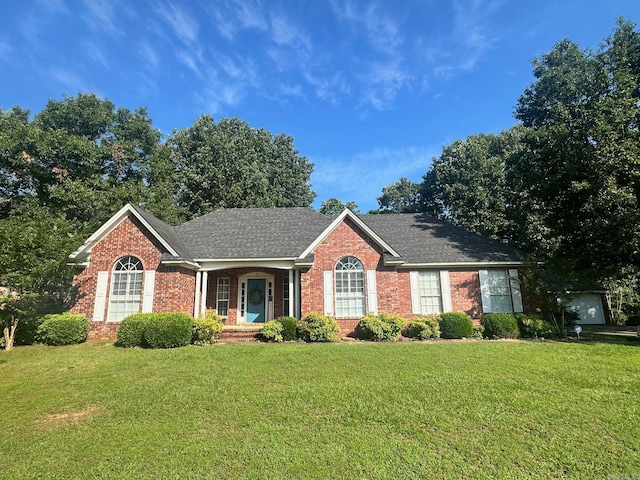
370, 91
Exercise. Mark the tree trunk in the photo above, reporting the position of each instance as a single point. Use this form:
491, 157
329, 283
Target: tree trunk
9, 335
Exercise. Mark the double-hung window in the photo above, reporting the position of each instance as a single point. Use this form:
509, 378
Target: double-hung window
430, 292
222, 296
500, 291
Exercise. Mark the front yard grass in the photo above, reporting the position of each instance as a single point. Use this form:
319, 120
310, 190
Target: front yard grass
403, 410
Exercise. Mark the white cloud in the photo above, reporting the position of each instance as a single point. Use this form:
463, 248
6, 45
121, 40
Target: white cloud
383, 81
472, 30
381, 30
235, 15
70, 81
183, 24
95, 53
102, 15
148, 55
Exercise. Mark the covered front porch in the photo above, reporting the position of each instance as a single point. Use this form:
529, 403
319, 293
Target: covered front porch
248, 294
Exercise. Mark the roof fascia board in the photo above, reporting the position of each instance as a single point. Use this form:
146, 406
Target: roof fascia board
112, 223
186, 264
462, 264
255, 263
359, 223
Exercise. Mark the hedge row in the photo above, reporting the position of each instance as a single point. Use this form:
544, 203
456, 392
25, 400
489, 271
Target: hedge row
168, 330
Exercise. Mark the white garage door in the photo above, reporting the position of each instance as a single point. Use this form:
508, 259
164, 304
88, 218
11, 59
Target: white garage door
589, 307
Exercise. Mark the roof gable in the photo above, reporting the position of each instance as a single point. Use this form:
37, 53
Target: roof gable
154, 225
346, 213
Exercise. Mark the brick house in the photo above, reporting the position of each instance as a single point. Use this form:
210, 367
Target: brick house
255, 264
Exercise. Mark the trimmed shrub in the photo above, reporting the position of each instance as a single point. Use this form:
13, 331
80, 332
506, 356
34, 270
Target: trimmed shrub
289, 328
207, 330
532, 326
383, 327
63, 329
131, 330
168, 330
455, 325
318, 328
478, 331
423, 328
500, 325
272, 331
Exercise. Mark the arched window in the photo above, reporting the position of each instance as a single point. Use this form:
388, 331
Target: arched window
126, 288
349, 288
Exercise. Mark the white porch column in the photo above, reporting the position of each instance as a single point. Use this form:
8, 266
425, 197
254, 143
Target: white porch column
196, 302
291, 304
296, 288
205, 276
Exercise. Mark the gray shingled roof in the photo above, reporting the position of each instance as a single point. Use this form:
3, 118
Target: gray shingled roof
420, 238
230, 233
167, 232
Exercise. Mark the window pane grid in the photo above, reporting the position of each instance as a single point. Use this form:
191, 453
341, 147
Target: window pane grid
222, 296
500, 291
349, 287
430, 293
126, 288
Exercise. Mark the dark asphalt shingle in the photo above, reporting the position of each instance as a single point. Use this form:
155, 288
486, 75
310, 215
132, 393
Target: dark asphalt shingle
253, 232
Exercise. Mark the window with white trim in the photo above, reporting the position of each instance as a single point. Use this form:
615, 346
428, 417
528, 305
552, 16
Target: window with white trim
500, 291
222, 296
126, 288
430, 292
349, 288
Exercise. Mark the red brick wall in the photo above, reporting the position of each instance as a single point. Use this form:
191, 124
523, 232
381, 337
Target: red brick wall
393, 285
174, 286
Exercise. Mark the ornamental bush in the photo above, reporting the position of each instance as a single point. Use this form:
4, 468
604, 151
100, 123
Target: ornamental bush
272, 331
318, 328
63, 329
500, 325
455, 325
423, 328
532, 326
289, 328
478, 332
131, 330
207, 330
383, 327
168, 330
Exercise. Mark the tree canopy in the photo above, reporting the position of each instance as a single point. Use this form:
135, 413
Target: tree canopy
333, 206
67, 170
564, 183
230, 164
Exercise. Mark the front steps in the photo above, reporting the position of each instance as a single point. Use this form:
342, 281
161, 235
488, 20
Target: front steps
240, 333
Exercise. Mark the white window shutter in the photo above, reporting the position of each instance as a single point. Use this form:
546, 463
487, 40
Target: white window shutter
484, 289
328, 293
148, 291
414, 280
516, 295
101, 296
445, 288
372, 292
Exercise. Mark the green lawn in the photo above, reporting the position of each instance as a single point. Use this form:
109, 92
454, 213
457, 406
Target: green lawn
404, 410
